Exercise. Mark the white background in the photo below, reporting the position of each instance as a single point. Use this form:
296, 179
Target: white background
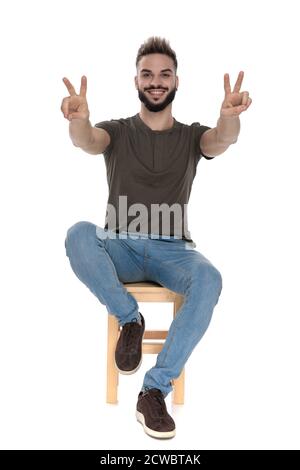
242, 380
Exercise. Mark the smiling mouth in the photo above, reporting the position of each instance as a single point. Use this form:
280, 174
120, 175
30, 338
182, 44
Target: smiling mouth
156, 93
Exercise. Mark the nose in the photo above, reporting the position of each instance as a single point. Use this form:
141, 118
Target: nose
155, 85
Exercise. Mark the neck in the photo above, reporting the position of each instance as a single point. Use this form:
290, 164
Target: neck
157, 121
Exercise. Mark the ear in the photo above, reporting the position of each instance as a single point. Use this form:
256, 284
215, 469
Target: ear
177, 82
135, 82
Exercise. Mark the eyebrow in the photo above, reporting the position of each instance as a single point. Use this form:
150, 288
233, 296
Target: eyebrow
164, 70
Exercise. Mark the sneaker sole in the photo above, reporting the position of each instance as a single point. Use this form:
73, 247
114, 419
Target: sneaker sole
160, 435
128, 372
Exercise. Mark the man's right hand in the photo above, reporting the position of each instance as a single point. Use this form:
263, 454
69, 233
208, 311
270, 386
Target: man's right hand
75, 106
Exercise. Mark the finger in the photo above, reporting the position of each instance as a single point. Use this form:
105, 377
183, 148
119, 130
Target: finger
227, 88
238, 83
65, 107
236, 110
69, 86
245, 97
83, 86
249, 101
239, 109
74, 115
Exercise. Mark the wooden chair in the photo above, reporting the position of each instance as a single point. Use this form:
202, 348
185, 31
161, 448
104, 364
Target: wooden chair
142, 292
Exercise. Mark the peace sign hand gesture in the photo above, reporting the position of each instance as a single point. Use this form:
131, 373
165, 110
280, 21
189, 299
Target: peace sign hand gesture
75, 106
235, 102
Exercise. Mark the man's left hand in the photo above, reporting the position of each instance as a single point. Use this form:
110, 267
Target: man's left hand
235, 102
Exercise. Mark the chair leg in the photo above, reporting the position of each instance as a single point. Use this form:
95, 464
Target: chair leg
112, 372
178, 384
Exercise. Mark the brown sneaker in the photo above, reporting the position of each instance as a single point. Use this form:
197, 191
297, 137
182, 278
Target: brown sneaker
151, 412
128, 354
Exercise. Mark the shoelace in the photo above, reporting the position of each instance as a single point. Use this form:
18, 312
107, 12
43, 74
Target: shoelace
158, 401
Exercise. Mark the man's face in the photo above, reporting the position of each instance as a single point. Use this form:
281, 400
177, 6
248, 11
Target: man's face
156, 81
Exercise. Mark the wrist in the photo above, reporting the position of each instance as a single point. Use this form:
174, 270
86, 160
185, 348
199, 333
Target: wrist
228, 129
227, 117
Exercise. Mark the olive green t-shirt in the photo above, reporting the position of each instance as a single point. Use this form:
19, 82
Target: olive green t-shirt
150, 175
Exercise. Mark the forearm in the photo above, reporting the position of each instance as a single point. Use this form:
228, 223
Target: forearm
228, 129
80, 132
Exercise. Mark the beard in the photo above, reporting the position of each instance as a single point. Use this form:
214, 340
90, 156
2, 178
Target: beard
156, 107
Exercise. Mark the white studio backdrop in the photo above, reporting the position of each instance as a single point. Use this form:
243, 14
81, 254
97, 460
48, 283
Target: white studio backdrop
242, 385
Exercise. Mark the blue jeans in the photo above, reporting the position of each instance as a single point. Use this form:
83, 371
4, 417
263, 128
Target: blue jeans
103, 263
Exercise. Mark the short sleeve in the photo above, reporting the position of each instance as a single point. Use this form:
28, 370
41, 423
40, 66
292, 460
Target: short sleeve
198, 131
113, 128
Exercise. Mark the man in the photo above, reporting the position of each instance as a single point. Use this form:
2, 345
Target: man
151, 161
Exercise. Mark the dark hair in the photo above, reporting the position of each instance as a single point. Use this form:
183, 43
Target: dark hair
156, 45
